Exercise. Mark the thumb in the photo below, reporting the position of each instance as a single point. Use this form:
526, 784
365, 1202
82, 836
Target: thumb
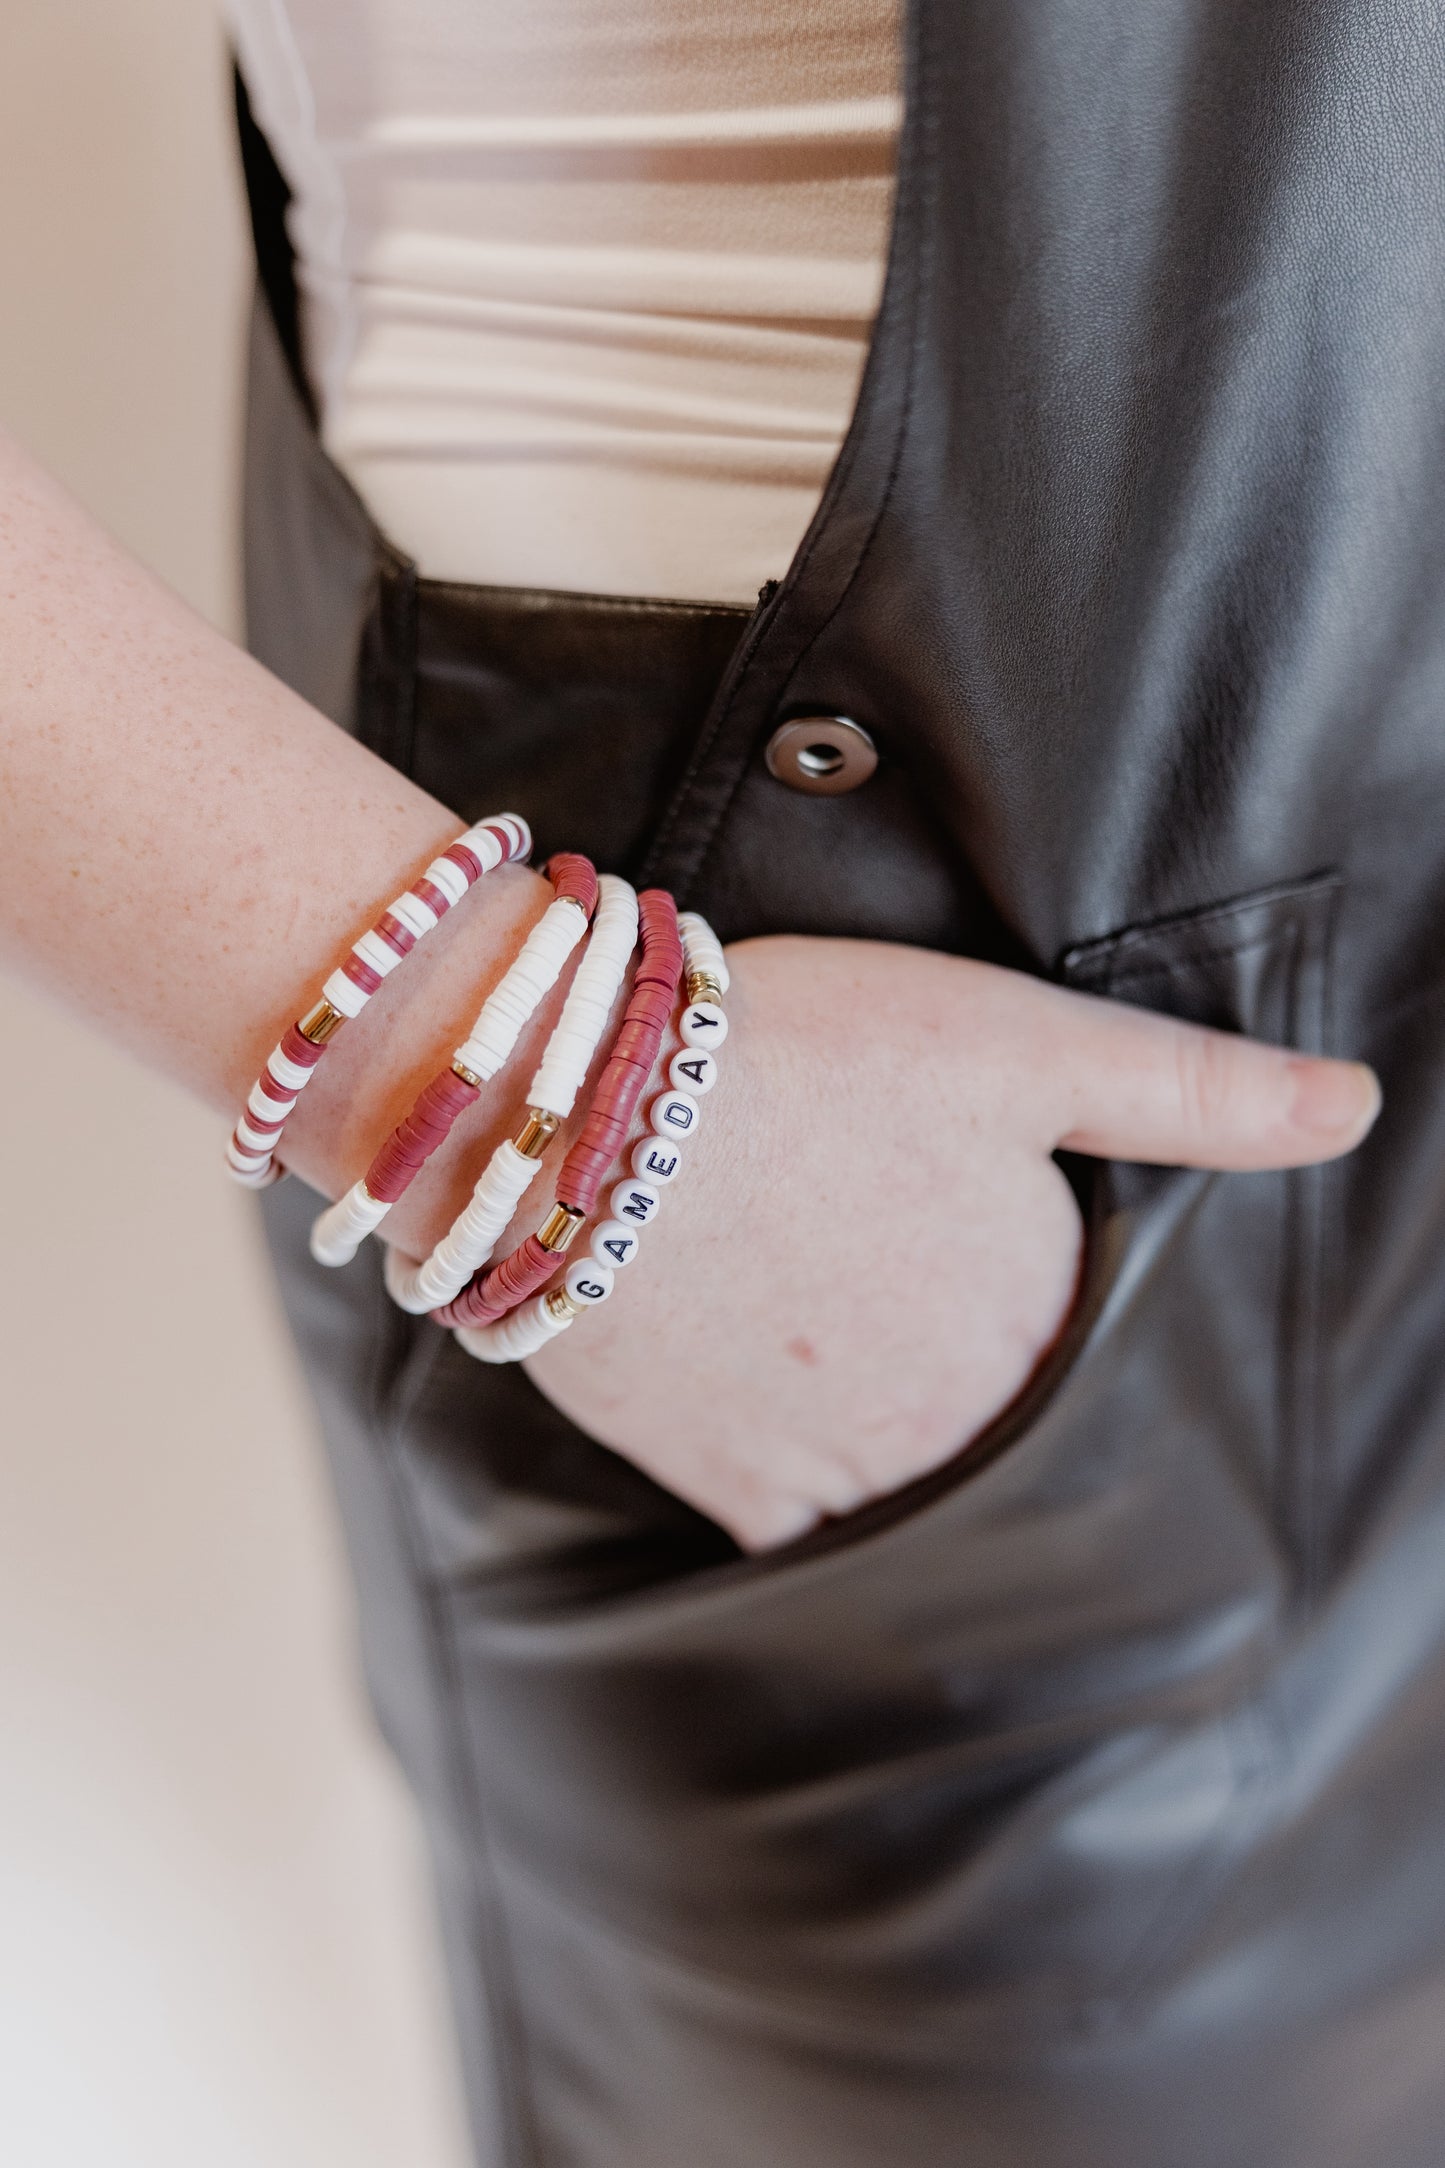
1144, 1087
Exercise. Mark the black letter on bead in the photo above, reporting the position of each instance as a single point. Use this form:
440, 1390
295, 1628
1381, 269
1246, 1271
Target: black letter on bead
680, 1116
696, 1068
635, 1208
702, 1023
620, 1247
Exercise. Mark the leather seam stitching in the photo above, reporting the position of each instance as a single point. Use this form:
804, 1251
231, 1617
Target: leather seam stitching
542, 601
1170, 967
923, 180
503, 1999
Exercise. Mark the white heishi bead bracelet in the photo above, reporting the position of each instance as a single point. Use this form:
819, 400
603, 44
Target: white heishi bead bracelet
560, 1076
655, 1161
251, 1154
515, 998
511, 1339
340, 1230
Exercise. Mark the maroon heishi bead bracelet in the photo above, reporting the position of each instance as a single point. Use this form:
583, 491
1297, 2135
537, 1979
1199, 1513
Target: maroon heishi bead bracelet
437, 1107
500, 1288
342, 1228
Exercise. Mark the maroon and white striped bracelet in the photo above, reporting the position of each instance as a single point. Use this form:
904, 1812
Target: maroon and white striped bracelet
251, 1154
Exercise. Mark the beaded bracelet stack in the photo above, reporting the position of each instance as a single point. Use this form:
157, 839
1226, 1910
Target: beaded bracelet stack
493, 1293
508, 1174
507, 1010
655, 1162
503, 1311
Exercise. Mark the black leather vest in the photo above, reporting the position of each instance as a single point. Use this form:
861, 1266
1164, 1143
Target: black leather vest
1083, 1806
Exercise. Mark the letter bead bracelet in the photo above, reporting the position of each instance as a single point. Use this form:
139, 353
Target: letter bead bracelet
656, 1159
502, 1311
251, 1154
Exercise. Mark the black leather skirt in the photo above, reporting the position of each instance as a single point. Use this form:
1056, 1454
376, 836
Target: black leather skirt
1083, 1805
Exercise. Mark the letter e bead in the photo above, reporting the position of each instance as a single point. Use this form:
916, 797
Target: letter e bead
655, 1162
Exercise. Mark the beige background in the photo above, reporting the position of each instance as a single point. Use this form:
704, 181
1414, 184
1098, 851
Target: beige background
215, 1946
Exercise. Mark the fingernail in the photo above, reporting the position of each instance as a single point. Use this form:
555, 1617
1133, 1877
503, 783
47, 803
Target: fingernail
1334, 1098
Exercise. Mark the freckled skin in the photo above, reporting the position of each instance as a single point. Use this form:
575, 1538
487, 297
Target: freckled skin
226, 844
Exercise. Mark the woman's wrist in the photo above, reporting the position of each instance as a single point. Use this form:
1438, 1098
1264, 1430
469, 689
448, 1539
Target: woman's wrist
408, 1030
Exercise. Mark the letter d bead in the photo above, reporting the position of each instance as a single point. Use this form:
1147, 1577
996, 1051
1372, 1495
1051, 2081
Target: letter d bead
673, 1114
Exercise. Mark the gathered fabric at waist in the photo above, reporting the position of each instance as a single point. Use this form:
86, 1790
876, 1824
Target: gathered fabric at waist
585, 298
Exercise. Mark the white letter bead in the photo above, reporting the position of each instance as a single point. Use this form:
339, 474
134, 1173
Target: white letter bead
614, 1245
693, 1071
634, 1202
655, 1162
703, 1024
587, 1282
673, 1114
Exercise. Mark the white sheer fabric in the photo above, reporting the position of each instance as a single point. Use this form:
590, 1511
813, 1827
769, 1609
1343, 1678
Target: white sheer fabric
587, 284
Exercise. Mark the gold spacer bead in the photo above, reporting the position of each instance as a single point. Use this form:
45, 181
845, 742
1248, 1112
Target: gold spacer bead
536, 1132
559, 1230
559, 1304
468, 1076
702, 986
319, 1023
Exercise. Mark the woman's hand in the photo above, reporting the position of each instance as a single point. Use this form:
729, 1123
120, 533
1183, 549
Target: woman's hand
871, 1248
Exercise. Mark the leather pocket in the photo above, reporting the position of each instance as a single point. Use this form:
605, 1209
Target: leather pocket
1245, 1293
1044, 1660
1201, 1294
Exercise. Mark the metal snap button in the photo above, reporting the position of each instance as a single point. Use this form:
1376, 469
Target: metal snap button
821, 754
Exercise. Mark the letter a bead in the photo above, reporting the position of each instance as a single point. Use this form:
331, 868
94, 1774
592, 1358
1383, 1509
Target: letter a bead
673, 1114
635, 1202
614, 1245
703, 1024
692, 1071
587, 1282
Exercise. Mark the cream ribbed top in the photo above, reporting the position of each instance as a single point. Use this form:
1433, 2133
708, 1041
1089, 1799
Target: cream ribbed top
586, 284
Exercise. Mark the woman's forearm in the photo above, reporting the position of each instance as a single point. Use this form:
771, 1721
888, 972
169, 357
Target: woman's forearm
186, 848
